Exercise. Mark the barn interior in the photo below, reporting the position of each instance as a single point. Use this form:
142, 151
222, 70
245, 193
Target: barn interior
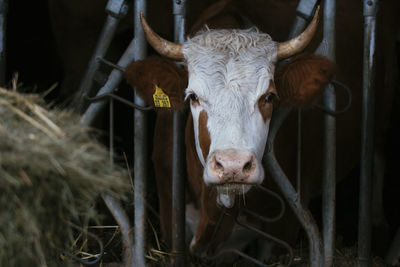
49, 44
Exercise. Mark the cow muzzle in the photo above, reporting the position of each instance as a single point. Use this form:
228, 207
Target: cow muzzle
232, 172
232, 166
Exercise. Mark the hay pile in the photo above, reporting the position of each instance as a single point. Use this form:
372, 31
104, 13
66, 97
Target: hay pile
51, 172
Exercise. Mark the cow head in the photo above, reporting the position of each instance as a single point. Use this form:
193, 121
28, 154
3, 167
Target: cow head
232, 92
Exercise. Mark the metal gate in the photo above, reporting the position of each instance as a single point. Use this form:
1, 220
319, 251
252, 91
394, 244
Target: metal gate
321, 247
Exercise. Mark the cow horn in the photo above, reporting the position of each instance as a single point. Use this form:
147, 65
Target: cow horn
297, 44
162, 46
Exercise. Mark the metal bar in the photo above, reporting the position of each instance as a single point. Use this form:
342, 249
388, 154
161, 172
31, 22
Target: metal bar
298, 157
114, 79
273, 168
3, 22
348, 104
267, 219
120, 100
267, 236
178, 172
111, 131
304, 11
109, 63
141, 153
278, 117
367, 128
254, 229
118, 213
123, 221
327, 48
179, 11
116, 9
102, 46
316, 254
247, 257
329, 179
178, 191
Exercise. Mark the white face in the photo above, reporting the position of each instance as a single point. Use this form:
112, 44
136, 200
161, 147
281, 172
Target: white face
231, 90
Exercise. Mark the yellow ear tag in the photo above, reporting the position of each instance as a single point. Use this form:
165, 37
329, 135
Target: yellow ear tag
161, 100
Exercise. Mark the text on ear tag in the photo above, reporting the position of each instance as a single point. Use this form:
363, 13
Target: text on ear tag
161, 100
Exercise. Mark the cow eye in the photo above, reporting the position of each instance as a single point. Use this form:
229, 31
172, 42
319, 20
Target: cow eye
193, 97
269, 97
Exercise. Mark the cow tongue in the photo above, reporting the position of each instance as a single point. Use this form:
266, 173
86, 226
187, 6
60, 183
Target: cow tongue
226, 193
226, 199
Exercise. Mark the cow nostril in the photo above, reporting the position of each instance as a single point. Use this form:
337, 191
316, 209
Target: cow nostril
247, 166
219, 165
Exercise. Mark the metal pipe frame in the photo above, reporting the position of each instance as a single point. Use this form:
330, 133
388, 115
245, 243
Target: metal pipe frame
316, 252
3, 23
134, 254
298, 153
367, 132
178, 167
304, 13
115, 78
141, 151
116, 9
266, 236
113, 204
111, 130
253, 229
305, 10
123, 221
327, 48
178, 191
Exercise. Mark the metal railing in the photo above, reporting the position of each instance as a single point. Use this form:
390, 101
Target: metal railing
328, 49
321, 249
367, 133
178, 155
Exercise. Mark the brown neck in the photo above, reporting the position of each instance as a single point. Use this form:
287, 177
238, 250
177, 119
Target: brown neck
193, 164
205, 199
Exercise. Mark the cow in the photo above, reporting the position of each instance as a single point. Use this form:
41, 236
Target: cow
232, 89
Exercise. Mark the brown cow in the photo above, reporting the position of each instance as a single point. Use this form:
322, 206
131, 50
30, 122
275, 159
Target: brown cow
293, 88
298, 83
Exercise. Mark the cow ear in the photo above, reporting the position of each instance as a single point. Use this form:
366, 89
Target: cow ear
301, 81
156, 73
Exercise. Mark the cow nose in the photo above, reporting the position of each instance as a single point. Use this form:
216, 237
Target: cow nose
233, 167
